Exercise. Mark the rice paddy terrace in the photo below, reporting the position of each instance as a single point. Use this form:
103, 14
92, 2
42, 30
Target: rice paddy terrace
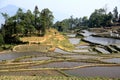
54, 63
59, 66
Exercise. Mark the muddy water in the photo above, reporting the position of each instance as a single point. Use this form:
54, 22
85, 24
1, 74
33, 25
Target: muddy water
36, 59
112, 72
14, 55
103, 41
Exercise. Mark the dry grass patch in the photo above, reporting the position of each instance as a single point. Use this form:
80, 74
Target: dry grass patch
52, 38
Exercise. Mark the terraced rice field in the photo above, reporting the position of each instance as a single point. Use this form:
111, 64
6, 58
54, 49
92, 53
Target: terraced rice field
112, 72
56, 64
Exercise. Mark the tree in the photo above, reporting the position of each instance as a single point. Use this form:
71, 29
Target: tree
85, 21
2, 30
56, 25
115, 14
48, 17
43, 23
79, 22
71, 22
37, 17
59, 26
17, 22
11, 27
19, 30
19, 15
6, 16
96, 18
108, 19
1, 40
99, 18
26, 24
29, 23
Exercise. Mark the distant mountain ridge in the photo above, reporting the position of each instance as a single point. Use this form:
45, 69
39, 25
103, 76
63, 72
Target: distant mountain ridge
10, 10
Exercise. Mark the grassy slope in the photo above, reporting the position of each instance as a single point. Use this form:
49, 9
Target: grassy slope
53, 38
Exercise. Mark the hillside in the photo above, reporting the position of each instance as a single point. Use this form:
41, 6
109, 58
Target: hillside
52, 38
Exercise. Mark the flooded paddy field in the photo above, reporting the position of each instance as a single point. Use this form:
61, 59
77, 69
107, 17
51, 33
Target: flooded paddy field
112, 60
111, 72
14, 55
44, 65
81, 62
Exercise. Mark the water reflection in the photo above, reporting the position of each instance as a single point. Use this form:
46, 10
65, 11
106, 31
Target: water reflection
113, 60
112, 72
87, 33
74, 40
60, 51
99, 40
103, 41
14, 55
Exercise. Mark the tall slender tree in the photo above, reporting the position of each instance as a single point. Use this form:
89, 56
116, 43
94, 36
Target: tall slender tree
115, 14
37, 17
6, 16
28, 21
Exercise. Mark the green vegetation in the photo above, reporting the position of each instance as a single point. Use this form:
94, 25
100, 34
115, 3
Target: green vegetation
1, 40
25, 24
99, 18
71, 24
6, 47
32, 47
32, 28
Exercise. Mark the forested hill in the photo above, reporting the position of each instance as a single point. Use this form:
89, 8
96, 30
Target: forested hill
35, 23
34, 28
99, 18
26, 24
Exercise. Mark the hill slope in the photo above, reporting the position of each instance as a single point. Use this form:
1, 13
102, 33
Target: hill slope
52, 38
